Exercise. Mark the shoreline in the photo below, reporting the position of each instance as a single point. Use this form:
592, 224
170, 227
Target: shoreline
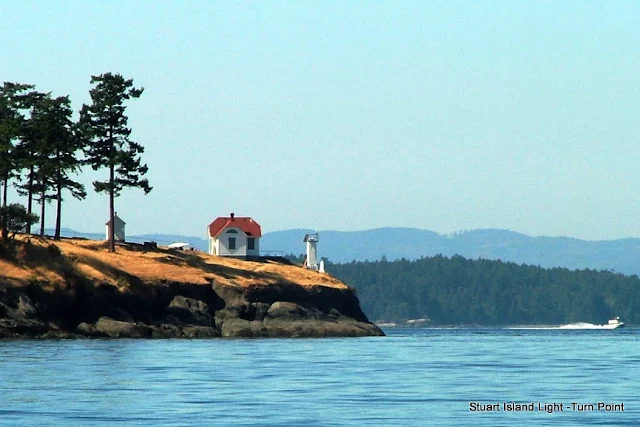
74, 289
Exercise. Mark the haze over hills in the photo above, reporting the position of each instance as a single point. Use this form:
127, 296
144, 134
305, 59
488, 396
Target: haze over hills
622, 255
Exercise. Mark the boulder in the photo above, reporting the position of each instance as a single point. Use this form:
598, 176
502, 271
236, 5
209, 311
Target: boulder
200, 332
286, 311
5, 311
241, 328
25, 307
260, 310
319, 328
88, 330
118, 329
22, 328
191, 311
166, 330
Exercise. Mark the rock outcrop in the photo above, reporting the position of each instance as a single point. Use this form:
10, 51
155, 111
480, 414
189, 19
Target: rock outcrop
76, 288
180, 310
289, 310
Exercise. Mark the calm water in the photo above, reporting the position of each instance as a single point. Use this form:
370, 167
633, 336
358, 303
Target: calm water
410, 378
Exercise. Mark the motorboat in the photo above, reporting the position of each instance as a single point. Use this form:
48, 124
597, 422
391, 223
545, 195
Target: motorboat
611, 324
614, 324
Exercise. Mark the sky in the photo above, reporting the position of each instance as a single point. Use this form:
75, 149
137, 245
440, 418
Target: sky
352, 115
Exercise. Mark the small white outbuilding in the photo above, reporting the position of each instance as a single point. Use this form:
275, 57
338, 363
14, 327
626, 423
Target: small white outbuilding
118, 231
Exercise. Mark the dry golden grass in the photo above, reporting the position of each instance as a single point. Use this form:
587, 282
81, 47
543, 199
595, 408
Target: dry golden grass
91, 259
12, 271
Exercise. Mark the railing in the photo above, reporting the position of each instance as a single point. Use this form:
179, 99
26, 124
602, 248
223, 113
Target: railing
272, 253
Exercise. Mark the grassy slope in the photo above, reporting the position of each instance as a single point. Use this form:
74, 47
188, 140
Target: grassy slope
90, 259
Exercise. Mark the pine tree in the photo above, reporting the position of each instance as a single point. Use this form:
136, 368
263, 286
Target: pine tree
26, 155
10, 123
63, 146
103, 125
53, 153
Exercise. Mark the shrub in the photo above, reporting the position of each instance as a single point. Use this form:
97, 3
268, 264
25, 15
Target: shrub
53, 251
16, 218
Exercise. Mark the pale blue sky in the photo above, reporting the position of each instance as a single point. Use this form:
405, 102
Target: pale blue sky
349, 115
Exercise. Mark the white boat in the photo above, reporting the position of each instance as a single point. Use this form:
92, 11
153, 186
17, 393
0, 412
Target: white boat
614, 324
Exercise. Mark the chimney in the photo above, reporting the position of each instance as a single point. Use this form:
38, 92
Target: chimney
232, 215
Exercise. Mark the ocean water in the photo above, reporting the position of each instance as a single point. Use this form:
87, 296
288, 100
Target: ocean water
413, 377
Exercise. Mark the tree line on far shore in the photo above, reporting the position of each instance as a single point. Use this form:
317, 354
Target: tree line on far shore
42, 150
456, 290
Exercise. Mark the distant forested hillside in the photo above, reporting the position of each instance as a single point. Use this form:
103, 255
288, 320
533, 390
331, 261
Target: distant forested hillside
457, 290
620, 255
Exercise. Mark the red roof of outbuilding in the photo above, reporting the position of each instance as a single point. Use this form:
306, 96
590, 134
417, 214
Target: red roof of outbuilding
244, 223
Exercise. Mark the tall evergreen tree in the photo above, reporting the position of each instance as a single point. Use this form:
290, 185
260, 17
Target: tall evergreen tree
10, 123
63, 146
103, 125
53, 155
47, 151
26, 151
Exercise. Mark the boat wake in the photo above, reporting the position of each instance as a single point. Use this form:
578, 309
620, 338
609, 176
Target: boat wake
535, 327
584, 325
613, 324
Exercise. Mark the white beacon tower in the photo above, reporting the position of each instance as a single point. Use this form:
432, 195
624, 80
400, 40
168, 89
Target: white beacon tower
312, 250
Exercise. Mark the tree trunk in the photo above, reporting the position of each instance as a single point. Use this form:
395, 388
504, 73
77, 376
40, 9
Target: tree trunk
29, 199
5, 232
56, 235
4, 192
43, 203
112, 245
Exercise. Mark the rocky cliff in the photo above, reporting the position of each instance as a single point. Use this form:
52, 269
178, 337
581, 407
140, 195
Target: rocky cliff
75, 288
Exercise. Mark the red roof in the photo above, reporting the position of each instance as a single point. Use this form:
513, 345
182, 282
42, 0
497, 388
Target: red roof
244, 223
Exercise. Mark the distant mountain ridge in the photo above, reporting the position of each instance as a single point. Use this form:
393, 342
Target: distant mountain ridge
622, 255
